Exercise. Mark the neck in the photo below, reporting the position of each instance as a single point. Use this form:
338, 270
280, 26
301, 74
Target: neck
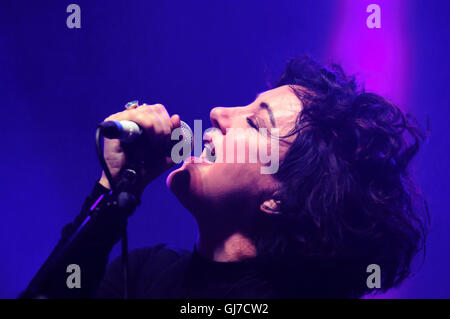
229, 248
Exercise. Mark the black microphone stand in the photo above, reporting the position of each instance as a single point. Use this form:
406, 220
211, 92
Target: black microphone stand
128, 201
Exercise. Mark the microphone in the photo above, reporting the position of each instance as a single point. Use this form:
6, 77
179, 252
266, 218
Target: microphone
128, 131
127, 200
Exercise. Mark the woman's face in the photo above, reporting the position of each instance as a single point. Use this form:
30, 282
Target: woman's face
247, 154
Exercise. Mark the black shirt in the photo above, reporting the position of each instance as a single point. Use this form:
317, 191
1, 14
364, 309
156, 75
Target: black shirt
161, 272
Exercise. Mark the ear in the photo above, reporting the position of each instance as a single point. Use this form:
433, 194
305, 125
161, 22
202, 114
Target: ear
271, 206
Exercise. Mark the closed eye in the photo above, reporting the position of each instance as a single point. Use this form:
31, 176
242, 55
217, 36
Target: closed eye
251, 123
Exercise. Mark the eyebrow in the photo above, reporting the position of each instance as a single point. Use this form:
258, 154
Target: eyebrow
266, 106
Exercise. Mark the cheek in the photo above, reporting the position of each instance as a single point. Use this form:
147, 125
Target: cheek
238, 146
234, 190
239, 187
237, 170
225, 182
247, 151
230, 176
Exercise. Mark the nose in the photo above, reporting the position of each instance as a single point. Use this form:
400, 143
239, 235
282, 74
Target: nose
220, 118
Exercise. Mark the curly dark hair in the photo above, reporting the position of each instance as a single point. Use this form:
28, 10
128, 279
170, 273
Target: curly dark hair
347, 199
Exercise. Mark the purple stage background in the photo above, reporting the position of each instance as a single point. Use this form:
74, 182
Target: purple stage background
57, 83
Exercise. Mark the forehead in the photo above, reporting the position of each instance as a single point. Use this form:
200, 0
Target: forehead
282, 100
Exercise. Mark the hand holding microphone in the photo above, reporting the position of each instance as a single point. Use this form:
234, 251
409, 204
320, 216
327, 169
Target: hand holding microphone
148, 142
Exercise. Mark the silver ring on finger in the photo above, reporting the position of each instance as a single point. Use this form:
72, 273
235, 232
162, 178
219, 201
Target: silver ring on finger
132, 105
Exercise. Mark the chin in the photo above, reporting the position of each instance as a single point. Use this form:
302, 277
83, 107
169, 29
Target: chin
178, 180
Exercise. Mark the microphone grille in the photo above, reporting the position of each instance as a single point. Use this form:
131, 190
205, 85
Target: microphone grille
187, 133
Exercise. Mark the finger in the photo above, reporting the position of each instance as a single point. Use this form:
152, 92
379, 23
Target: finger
158, 113
122, 115
119, 116
155, 111
163, 111
144, 118
165, 119
158, 127
176, 122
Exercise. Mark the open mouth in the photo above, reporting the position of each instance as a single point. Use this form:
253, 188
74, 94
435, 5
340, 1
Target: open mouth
209, 152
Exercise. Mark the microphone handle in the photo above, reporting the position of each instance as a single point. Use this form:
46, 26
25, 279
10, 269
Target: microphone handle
128, 131
124, 130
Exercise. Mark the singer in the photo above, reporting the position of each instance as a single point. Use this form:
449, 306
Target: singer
341, 200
